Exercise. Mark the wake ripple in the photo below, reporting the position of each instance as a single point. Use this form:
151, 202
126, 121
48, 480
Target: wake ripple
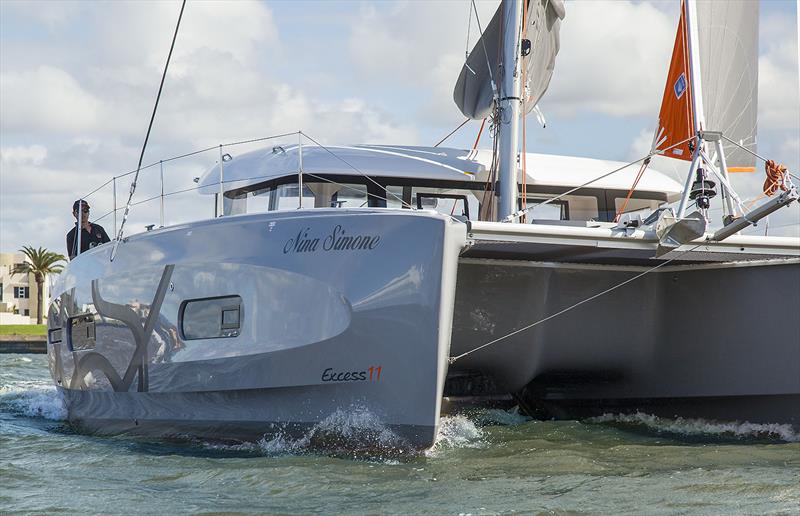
702, 427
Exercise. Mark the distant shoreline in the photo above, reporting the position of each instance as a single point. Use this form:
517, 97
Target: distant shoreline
23, 344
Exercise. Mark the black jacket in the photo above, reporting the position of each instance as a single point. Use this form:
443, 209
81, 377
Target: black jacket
89, 239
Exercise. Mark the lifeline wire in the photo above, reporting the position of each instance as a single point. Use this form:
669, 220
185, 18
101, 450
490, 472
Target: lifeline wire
576, 305
147, 136
548, 201
351, 166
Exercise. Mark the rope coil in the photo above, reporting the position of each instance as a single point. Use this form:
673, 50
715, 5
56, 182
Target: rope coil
776, 178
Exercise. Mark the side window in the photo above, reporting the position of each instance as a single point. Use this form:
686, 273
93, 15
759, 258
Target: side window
211, 318
554, 210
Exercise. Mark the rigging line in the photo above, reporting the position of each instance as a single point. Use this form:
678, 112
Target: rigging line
186, 155
469, 29
402, 202
517, 214
149, 127
485, 52
347, 186
762, 158
214, 147
576, 305
633, 188
478, 138
254, 140
453, 131
97, 189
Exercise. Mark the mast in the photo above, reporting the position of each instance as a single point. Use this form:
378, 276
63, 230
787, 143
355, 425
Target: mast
696, 89
509, 107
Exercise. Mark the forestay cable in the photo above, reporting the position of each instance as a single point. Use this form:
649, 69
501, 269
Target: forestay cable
147, 136
576, 305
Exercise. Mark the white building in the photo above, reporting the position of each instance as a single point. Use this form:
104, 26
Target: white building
18, 292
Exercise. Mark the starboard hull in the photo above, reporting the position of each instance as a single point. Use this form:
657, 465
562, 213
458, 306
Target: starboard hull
312, 328
718, 341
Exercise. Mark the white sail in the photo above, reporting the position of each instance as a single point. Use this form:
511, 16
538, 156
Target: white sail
728, 47
473, 91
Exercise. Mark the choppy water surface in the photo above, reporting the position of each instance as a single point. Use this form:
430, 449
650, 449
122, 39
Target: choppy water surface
483, 463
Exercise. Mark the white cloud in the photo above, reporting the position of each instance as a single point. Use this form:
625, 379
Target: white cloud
417, 47
778, 88
53, 14
46, 99
34, 154
613, 59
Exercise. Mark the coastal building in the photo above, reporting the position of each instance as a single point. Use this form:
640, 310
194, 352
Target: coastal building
18, 292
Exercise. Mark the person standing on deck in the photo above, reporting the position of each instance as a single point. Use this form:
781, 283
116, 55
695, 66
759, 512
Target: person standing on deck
92, 235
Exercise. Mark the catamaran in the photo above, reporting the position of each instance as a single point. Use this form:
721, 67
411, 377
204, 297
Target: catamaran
388, 278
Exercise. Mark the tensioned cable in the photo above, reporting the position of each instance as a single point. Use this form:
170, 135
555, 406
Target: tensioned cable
762, 158
462, 124
189, 154
576, 305
348, 187
485, 52
353, 167
469, 29
184, 190
650, 155
147, 136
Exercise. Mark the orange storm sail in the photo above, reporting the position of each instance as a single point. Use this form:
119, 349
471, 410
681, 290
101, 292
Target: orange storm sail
676, 118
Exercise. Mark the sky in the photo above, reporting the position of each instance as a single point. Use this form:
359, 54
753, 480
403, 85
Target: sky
78, 81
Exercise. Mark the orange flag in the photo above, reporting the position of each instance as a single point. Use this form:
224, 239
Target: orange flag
676, 118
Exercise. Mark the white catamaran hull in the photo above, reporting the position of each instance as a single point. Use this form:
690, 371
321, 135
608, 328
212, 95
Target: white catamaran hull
244, 326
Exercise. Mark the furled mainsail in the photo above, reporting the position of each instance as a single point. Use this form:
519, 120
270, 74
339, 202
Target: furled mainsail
728, 46
473, 91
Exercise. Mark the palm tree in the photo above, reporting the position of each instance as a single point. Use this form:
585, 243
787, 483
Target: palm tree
40, 263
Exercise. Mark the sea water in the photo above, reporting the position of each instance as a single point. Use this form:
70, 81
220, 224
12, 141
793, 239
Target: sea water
484, 462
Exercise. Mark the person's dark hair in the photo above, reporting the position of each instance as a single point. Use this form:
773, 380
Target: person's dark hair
78, 203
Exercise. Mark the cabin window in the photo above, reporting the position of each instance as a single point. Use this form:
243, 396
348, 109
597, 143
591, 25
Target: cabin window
82, 334
554, 210
582, 207
288, 198
211, 318
645, 206
350, 196
449, 201
456, 203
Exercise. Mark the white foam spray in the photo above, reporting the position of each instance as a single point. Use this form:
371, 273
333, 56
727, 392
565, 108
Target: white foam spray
456, 431
34, 399
355, 432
